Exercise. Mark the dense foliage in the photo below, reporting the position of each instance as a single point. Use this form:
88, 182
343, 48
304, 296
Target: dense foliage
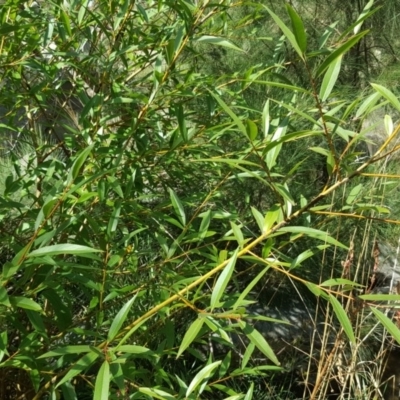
164, 163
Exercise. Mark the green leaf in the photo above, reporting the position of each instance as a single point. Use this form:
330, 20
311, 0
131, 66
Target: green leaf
77, 165
73, 349
252, 130
287, 32
234, 117
190, 335
265, 119
258, 340
249, 394
178, 207
156, 393
68, 391
249, 288
4, 300
307, 254
314, 233
223, 281
66, 22
339, 52
272, 154
298, 28
63, 315
387, 323
330, 78
259, 219
203, 374
365, 14
37, 322
218, 41
119, 319
113, 222
64, 248
82, 11
238, 234
387, 94
24, 302
343, 318
82, 364
134, 349
182, 123
205, 223
340, 281
368, 103
351, 198
102, 385
271, 217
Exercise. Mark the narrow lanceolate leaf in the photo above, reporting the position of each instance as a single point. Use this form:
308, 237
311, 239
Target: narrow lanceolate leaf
4, 300
389, 126
102, 384
156, 393
205, 373
120, 319
77, 165
272, 154
82, 364
219, 41
252, 130
387, 323
368, 103
24, 302
223, 281
258, 340
234, 117
238, 234
113, 222
259, 219
287, 32
178, 207
190, 335
265, 119
365, 13
330, 78
64, 248
388, 95
314, 233
205, 223
62, 351
352, 197
298, 28
343, 318
339, 52
65, 21
249, 288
